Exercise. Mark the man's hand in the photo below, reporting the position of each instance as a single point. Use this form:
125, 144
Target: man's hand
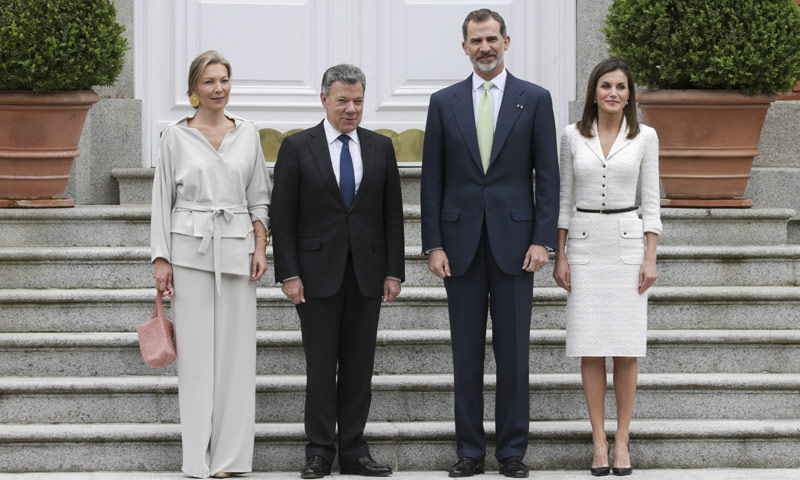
438, 263
535, 258
391, 288
293, 289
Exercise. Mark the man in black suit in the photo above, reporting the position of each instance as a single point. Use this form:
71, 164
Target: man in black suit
337, 224
486, 232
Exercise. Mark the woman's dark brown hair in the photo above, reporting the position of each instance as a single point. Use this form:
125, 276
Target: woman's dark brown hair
590, 106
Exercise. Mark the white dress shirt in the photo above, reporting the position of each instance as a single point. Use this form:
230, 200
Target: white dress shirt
496, 92
335, 148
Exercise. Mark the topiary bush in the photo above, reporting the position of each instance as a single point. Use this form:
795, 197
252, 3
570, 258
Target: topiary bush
748, 45
48, 45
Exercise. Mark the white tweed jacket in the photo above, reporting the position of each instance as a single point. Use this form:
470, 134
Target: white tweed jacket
590, 180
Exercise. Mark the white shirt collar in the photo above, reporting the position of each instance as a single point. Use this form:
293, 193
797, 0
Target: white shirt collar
331, 134
499, 81
184, 122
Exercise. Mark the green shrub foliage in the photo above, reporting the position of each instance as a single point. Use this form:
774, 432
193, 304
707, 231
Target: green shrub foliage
748, 45
48, 45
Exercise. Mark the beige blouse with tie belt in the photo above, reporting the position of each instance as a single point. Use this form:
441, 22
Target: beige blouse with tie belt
205, 200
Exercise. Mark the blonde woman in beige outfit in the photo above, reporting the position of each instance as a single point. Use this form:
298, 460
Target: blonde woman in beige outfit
607, 254
208, 242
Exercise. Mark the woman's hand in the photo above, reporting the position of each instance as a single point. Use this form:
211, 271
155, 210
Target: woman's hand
561, 271
647, 274
163, 275
260, 256
259, 265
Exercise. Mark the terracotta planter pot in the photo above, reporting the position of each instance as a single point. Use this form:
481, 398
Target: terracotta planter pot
38, 142
707, 142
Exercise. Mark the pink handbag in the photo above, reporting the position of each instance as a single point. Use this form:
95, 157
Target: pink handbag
156, 338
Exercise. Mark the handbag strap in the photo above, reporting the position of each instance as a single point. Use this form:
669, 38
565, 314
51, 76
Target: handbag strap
158, 308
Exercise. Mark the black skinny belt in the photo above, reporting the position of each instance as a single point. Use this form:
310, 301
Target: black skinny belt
610, 210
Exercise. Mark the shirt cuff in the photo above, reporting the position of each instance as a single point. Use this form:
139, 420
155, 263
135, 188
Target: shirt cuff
290, 278
393, 278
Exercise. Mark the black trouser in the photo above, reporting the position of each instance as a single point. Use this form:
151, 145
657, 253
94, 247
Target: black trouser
339, 331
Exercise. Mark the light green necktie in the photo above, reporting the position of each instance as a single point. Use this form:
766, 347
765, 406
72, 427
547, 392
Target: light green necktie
485, 125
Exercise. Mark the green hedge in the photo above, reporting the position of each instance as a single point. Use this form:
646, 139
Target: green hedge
748, 45
48, 45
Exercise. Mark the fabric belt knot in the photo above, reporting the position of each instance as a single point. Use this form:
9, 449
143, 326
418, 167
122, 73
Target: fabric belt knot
212, 230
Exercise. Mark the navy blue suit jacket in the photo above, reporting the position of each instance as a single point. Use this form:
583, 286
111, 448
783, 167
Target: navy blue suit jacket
457, 197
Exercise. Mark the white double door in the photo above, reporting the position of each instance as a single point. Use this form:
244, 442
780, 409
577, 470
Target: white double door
279, 50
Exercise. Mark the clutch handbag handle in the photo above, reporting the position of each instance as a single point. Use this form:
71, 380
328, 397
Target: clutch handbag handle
158, 308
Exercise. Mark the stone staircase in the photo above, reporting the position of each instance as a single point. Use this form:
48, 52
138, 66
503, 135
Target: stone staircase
719, 388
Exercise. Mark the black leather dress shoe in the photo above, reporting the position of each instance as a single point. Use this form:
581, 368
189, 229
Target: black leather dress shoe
513, 467
467, 467
315, 467
366, 467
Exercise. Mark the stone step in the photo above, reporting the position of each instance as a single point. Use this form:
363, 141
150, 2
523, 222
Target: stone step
136, 184
117, 226
409, 352
400, 398
572, 474
416, 308
771, 187
130, 267
412, 446
771, 183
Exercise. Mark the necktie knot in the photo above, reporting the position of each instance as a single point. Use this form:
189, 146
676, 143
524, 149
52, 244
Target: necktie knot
487, 86
344, 139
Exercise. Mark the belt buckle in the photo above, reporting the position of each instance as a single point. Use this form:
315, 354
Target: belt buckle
601, 211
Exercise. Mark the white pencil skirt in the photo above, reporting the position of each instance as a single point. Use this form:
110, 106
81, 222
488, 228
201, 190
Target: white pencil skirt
606, 316
216, 343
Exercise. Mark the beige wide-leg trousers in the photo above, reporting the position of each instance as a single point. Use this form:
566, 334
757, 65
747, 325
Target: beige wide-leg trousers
215, 337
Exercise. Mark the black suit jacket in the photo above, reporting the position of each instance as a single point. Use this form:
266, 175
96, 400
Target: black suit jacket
313, 230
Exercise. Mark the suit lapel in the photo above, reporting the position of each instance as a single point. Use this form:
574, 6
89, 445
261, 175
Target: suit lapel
367, 162
510, 108
465, 117
318, 144
621, 141
594, 144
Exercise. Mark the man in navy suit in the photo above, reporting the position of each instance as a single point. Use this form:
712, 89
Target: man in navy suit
486, 232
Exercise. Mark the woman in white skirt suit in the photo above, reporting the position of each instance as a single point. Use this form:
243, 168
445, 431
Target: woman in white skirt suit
208, 237
607, 255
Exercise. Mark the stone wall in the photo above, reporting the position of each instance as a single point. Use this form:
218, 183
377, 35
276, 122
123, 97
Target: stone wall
112, 135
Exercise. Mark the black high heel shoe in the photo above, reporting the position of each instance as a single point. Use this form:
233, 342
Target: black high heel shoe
601, 471
621, 472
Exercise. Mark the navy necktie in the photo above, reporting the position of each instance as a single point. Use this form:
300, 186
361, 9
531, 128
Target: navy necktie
347, 178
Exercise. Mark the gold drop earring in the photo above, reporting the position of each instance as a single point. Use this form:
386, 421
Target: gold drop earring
194, 100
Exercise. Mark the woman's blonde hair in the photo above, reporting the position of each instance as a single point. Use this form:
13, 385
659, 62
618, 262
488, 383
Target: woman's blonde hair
200, 63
